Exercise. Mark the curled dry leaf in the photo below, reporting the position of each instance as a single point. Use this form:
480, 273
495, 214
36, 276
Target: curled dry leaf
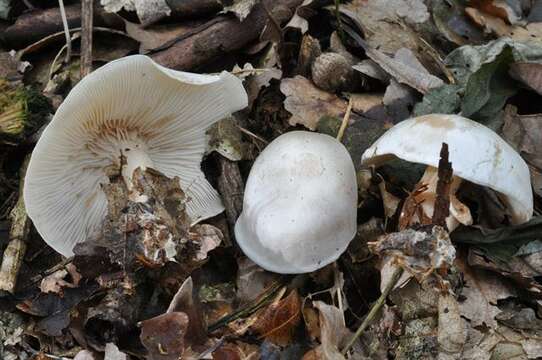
528, 73
278, 322
241, 8
308, 104
237, 351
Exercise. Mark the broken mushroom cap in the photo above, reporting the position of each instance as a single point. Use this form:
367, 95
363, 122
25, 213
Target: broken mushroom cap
133, 109
477, 154
300, 204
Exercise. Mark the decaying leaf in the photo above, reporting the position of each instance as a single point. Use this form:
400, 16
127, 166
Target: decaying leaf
406, 69
158, 35
278, 322
308, 104
421, 253
303, 11
252, 280
236, 350
333, 333
381, 22
480, 294
163, 336
529, 74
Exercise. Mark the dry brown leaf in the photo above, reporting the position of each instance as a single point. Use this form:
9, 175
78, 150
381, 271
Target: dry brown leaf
406, 69
278, 322
184, 301
334, 334
237, 351
451, 326
163, 335
480, 293
523, 133
55, 282
528, 73
252, 280
308, 104
364, 102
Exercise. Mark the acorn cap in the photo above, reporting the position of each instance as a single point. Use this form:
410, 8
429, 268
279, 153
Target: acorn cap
132, 106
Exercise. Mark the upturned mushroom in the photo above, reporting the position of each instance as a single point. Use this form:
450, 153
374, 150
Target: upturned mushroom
300, 204
477, 155
127, 114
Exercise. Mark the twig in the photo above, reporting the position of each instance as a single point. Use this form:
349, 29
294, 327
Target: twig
346, 118
442, 203
374, 310
18, 234
86, 36
250, 133
66, 30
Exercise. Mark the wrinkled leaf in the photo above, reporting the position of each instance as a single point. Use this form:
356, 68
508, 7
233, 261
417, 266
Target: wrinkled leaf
308, 104
279, 321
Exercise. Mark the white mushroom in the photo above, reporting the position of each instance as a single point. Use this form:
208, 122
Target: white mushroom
477, 154
152, 116
300, 204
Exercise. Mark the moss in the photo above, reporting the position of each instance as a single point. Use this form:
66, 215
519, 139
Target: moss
22, 110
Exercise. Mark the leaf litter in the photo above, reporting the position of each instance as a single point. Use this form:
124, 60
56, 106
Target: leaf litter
154, 285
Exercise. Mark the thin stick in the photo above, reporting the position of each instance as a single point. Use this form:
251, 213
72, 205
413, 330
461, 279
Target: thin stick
346, 118
66, 31
86, 37
18, 234
250, 133
375, 309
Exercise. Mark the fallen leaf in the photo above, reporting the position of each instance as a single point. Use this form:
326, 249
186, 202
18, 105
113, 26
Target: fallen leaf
112, 352
252, 280
406, 69
529, 74
241, 8
163, 335
184, 301
278, 322
308, 104
303, 11
236, 351
481, 292
452, 333
148, 11
207, 237
333, 334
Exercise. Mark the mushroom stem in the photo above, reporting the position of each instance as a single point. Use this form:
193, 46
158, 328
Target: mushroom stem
459, 212
135, 157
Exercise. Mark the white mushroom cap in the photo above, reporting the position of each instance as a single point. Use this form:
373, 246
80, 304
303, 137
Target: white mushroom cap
300, 204
131, 104
477, 154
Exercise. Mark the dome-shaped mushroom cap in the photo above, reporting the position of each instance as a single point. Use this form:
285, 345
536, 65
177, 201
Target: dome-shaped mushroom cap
128, 104
477, 154
300, 204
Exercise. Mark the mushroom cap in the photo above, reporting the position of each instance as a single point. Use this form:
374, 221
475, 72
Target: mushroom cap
477, 154
300, 204
128, 103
